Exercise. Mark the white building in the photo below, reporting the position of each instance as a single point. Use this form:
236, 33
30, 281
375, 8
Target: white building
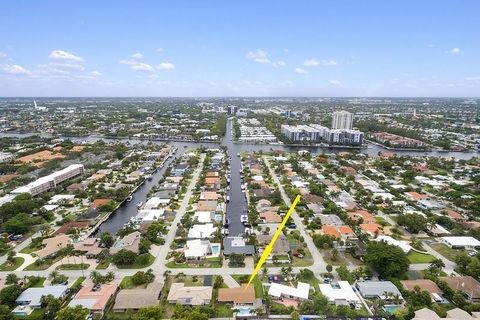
342, 120
461, 242
398, 243
339, 293
201, 231
280, 291
196, 249
49, 182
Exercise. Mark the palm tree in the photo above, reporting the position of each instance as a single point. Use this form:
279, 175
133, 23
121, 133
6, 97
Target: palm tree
54, 274
264, 272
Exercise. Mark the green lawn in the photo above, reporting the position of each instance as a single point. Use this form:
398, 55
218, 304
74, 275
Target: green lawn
223, 310
39, 283
126, 282
209, 263
78, 282
257, 282
103, 265
136, 265
446, 251
7, 266
71, 266
416, 257
45, 265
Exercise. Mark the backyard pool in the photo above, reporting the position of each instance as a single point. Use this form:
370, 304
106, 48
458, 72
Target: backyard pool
215, 249
391, 308
244, 311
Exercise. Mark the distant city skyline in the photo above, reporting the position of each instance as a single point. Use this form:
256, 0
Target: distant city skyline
242, 48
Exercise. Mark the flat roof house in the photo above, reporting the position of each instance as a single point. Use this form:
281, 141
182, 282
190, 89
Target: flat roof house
201, 231
191, 296
339, 293
280, 291
377, 289
138, 298
237, 245
461, 242
31, 297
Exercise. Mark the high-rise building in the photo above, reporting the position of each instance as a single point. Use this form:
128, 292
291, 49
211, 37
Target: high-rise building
342, 120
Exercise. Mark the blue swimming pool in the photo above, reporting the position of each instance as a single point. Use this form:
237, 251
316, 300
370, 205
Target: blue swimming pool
244, 311
391, 308
215, 249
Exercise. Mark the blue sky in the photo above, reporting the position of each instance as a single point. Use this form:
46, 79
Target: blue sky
240, 48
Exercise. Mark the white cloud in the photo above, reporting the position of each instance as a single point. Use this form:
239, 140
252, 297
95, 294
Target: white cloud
73, 66
160, 49
300, 70
259, 56
13, 69
455, 51
142, 67
315, 63
137, 55
281, 63
128, 62
335, 83
64, 55
166, 66
475, 78
96, 73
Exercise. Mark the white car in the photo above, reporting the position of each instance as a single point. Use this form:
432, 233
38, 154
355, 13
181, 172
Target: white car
243, 218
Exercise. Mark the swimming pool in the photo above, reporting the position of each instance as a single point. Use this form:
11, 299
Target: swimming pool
391, 308
215, 249
218, 217
244, 311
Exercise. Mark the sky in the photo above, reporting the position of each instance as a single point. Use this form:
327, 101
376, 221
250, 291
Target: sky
398, 48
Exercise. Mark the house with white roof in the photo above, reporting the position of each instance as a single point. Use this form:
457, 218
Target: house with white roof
398, 243
340, 293
149, 215
203, 216
461, 242
280, 291
198, 249
201, 231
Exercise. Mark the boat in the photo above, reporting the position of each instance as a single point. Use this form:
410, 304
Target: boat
228, 198
139, 205
238, 154
129, 198
150, 178
228, 180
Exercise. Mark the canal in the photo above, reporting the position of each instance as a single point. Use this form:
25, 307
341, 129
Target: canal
237, 202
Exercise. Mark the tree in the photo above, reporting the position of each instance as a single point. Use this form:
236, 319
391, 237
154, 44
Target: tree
413, 222
144, 246
9, 294
236, 260
21, 224
386, 259
329, 268
150, 313
436, 267
11, 278
218, 282
124, 257
51, 306
106, 239
75, 313
5, 313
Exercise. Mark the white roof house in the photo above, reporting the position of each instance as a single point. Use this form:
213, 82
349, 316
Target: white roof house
203, 216
301, 292
60, 197
153, 202
466, 242
197, 248
201, 231
398, 243
151, 215
339, 293
32, 296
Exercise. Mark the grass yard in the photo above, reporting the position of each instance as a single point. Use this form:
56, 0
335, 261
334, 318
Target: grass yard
43, 266
126, 282
416, 257
39, 283
446, 251
243, 278
223, 310
10, 266
136, 265
71, 266
103, 265
209, 263
190, 281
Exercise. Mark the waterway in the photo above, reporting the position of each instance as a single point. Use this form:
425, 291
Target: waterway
371, 149
238, 202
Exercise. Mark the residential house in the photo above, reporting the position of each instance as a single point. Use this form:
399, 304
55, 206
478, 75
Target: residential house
190, 296
426, 285
93, 298
238, 296
286, 293
384, 290
129, 242
340, 293
237, 245
138, 298
31, 297
201, 231
467, 285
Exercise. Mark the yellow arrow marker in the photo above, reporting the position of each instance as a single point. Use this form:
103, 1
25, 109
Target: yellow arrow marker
269, 248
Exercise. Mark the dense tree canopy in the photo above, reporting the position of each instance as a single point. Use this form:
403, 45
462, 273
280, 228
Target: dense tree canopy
386, 259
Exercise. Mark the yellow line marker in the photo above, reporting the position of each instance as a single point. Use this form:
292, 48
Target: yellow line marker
269, 248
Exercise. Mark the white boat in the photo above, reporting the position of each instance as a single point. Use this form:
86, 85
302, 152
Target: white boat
139, 205
228, 198
130, 198
238, 154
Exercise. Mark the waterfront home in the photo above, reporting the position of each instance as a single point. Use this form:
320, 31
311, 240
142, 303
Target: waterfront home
190, 296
